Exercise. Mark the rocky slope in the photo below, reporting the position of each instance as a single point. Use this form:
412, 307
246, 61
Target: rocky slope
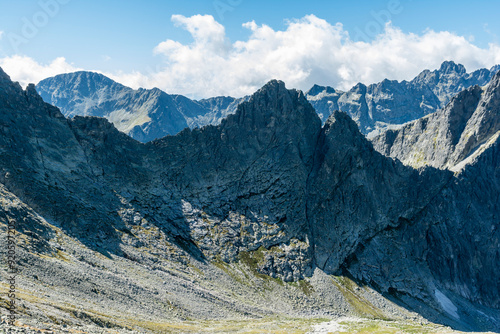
451, 137
268, 213
144, 114
388, 103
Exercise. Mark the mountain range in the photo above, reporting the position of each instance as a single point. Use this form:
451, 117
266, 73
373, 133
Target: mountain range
144, 114
450, 138
382, 105
269, 213
151, 114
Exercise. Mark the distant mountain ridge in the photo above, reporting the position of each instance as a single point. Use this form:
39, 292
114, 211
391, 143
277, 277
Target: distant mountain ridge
451, 137
382, 105
147, 114
144, 114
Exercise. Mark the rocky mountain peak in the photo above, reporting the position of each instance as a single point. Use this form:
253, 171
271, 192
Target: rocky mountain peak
343, 131
343, 122
4, 77
84, 81
275, 115
275, 100
32, 95
482, 126
150, 114
359, 88
380, 105
7, 86
272, 93
492, 96
143, 114
317, 89
12, 95
449, 67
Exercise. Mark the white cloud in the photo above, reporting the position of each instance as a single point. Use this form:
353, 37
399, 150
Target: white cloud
27, 70
205, 30
308, 51
1, 33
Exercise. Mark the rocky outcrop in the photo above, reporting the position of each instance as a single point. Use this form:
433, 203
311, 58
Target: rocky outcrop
253, 168
389, 103
355, 193
268, 187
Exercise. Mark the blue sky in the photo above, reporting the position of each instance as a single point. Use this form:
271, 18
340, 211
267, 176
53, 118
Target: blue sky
122, 39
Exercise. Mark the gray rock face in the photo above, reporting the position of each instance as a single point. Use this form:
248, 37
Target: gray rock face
356, 193
252, 166
143, 114
388, 103
446, 241
449, 138
219, 108
464, 138
269, 187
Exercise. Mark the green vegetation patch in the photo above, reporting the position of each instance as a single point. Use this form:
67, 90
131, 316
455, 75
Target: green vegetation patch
254, 259
369, 326
360, 304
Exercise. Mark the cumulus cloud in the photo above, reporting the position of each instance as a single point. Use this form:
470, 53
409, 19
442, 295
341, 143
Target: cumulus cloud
308, 51
27, 70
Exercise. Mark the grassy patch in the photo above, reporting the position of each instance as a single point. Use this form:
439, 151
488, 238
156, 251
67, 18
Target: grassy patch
196, 269
265, 325
253, 259
97, 318
360, 304
306, 287
227, 269
62, 256
367, 326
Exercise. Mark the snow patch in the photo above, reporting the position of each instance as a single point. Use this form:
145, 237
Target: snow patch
446, 304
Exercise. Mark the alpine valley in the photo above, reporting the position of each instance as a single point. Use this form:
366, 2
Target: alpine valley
137, 211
